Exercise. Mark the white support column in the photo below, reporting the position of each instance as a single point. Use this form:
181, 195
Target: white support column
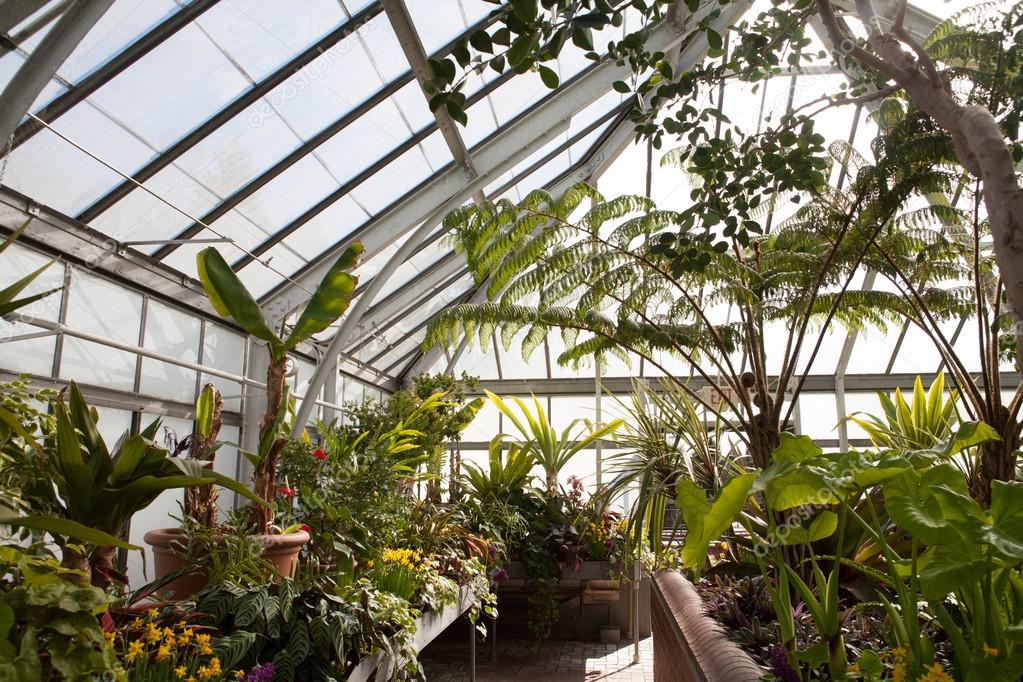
44, 61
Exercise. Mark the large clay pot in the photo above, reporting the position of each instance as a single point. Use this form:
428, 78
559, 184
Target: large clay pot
280, 550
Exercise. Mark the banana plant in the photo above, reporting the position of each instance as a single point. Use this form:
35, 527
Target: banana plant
551, 450
230, 298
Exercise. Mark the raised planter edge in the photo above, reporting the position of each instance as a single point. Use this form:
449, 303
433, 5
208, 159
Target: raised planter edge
712, 657
428, 626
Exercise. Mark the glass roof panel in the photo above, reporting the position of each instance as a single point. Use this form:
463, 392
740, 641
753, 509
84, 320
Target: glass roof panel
238, 151
329, 87
288, 195
329, 227
438, 23
259, 278
260, 36
363, 142
60, 176
141, 216
150, 96
403, 174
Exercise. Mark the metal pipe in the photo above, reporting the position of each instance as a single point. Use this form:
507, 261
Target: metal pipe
60, 328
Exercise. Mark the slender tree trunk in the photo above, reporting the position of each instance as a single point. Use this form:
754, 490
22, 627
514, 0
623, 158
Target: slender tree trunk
74, 560
265, 477
980, 146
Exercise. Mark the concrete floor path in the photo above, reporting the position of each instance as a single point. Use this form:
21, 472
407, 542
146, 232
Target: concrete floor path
552, 661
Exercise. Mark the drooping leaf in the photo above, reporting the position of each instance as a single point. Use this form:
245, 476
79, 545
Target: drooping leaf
331, 298
66, 528
230, 298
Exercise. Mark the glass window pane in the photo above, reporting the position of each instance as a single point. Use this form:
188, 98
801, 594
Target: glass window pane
225, 350
173, 333
100, 307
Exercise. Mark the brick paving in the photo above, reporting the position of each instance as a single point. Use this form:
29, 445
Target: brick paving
552, 661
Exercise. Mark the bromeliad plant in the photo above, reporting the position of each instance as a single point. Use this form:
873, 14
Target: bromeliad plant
100, 487
230, 298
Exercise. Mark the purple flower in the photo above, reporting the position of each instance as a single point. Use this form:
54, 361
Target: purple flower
781, 667
492, 548
498, 574
261, 673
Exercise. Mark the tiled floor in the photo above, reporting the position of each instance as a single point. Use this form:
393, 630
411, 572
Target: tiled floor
448, 661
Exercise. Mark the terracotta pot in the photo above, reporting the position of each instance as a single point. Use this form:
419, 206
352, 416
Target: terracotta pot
280, 550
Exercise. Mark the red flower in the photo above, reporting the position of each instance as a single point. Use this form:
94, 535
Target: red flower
286, 491
306, 528
318, 453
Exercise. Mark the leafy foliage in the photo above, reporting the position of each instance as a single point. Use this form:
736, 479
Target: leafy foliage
48, 625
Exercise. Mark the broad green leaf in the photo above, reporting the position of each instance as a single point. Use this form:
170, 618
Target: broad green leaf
795, 449
969, 435
705, 522
824, 525
331, 298
66, 528
948, 568
912, 505
1007, 508
798, 487
549, 77
230, 298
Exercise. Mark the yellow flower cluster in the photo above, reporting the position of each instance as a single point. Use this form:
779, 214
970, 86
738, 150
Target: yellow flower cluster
932, 673
178, 650
409, 558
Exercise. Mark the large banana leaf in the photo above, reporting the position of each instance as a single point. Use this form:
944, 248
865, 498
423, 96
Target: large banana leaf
66, 527
331, 298
230, 298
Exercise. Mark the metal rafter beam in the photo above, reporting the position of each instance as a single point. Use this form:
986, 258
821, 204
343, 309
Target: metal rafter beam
78, 92
13, 12
497, 154
306, 148
12, 41
415, 53
815, 383
229, 111
452, 266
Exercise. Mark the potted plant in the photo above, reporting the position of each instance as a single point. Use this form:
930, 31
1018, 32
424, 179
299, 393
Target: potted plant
174, 550
231, 299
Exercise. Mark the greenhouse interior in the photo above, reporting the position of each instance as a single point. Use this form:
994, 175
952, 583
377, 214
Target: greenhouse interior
453, 340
